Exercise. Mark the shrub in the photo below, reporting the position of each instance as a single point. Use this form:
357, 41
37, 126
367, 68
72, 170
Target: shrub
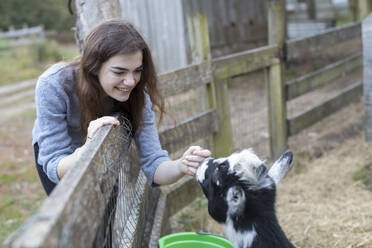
47, 51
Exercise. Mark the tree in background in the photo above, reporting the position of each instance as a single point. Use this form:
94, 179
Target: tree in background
52, 14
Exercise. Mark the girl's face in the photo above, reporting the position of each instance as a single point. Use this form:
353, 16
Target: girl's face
120, 74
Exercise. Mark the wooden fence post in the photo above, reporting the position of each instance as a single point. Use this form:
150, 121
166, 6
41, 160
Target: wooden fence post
359, 9
217, 92
311, 9
353, 7
364, 8
367, 75
275, 80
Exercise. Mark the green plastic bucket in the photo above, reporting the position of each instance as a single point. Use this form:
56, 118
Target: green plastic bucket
193, 240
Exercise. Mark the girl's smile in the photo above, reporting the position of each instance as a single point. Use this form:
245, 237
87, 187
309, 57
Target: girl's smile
120, 74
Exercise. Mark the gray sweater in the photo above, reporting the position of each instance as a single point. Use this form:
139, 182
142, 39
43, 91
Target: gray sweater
57, 132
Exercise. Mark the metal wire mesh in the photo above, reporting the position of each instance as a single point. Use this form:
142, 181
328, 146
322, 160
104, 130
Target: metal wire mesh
127, 201
248, 110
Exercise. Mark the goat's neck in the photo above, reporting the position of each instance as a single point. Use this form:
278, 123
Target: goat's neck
259, 231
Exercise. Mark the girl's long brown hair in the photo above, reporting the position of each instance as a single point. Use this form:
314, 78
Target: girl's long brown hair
104, 41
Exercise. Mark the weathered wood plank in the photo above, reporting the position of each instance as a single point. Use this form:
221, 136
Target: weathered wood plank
367, 75
185, 79
306, 119
189, 131
161, 221
364, 8
25, 32
173, 198
222, 141
218, 94
244, 62
297, 48
276, 22
181, 194
313, 80
65, 218
277, 112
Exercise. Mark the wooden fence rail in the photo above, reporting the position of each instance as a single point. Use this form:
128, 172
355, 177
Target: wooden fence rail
298, 48
350, 94
26, 32
244, 62
21, 37
68, 217
316, 79
72, 215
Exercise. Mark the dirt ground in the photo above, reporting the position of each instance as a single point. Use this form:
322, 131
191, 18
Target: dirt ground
321, 204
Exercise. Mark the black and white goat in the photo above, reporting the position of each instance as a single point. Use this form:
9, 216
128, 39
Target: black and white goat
241, 196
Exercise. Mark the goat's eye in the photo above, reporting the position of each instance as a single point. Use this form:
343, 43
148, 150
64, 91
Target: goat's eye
224, 166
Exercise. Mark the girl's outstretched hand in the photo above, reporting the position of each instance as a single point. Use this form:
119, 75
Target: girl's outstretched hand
191, 159
96, 124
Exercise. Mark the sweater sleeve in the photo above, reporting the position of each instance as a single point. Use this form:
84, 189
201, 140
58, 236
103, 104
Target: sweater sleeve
54, 141
151, 155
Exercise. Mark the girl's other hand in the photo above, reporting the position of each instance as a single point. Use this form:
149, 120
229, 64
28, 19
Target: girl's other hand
96, 124
191, 159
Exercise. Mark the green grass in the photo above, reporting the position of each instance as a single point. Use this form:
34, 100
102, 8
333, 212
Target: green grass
21, 193
364, 175
28, 62
343, 17
191, 218
14, 212
4, 43
16, 206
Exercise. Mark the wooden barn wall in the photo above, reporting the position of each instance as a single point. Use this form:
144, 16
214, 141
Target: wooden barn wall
297, 10
161, 23
234, 25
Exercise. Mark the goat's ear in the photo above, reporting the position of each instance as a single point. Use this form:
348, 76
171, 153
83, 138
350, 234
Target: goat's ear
235, 199
281, 166
261, 170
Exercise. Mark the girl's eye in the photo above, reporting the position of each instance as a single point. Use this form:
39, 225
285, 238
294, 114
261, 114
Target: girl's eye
118, 73
138, 71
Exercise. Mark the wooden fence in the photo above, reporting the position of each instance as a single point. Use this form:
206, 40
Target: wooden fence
25, 32
72, 215
367, 75
21, 37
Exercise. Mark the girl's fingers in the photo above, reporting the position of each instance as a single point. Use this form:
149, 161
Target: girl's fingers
189, 163
189, 170
96, 124
194, 158
192, 149
202, 153
192, 170
108, 120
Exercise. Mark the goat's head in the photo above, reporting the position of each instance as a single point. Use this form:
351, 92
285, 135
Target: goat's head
240, 181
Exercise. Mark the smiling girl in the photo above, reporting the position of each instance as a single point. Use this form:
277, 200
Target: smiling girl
115, 74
